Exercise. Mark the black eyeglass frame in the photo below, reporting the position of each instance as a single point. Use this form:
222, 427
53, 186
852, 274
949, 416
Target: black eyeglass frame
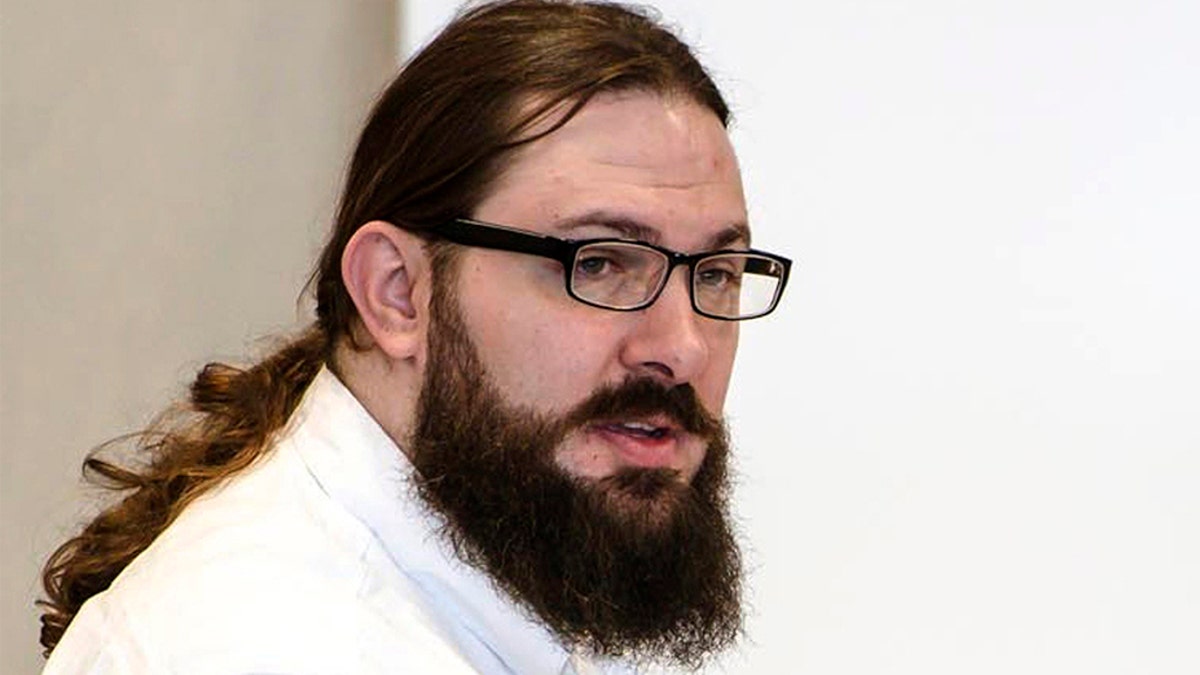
468, 232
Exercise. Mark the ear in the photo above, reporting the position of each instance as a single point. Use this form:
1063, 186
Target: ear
386, 271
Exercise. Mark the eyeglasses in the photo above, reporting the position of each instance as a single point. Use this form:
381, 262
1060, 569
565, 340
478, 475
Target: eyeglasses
625, 275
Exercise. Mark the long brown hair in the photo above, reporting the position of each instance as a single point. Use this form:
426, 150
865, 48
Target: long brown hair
433, 144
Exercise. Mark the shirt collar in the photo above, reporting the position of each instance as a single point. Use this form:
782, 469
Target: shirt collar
358, 465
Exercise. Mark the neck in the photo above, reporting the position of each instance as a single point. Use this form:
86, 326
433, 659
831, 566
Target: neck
387, 388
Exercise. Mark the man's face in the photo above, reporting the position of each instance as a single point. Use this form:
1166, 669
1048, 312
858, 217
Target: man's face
618, 539
628, 165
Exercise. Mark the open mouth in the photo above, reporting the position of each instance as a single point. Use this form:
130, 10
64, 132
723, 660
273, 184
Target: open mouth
637, 429
650, 443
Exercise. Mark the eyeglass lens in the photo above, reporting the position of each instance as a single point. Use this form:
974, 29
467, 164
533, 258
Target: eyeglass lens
624, 276
617, 275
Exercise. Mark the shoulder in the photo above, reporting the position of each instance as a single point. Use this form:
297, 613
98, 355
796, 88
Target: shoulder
105, 639
262, 575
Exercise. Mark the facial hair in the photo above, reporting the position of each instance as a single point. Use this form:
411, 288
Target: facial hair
639, 565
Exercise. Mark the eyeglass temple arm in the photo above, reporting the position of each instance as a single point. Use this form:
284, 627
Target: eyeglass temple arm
470, 233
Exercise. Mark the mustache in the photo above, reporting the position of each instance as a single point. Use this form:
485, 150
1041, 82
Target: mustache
638, 397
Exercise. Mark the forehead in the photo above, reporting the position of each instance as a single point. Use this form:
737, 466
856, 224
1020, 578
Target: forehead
636, 157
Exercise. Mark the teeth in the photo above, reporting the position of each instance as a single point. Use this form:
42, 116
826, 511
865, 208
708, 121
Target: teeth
641, 429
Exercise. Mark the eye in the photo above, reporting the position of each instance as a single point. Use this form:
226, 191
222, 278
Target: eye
717, 277
594, 264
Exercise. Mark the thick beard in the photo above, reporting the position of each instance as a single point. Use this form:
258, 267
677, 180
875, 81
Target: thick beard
638, 565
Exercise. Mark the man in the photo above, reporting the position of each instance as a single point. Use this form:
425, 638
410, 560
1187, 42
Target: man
498, 449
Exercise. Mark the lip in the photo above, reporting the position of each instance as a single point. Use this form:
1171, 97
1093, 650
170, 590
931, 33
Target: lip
641, 451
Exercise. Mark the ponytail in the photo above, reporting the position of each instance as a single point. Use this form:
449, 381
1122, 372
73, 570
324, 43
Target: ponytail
225, 426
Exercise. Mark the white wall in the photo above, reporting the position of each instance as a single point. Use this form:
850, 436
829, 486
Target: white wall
169, 172
970, 440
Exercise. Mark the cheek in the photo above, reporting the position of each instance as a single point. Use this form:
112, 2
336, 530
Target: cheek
542, 365
541, 350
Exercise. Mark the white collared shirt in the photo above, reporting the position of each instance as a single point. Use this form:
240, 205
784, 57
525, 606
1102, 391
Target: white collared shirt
317, 559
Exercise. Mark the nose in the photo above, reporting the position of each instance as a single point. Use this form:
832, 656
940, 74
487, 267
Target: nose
668, 341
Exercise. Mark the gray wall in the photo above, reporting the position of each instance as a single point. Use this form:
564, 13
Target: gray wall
169, 170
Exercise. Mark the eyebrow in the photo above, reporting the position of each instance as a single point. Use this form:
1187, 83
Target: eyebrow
631, 228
